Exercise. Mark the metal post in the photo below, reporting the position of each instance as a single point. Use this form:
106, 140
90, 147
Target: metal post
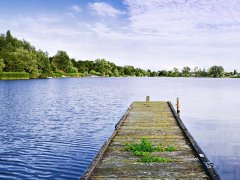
147, 98
178, 107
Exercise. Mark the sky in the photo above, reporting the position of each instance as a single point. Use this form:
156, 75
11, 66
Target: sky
151, 34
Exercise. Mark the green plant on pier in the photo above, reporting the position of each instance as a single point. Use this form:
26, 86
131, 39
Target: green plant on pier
144, 149
150, 158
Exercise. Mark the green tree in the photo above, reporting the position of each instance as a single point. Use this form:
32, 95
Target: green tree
175, 72
129, 71
104, 67
115, 72
62, 61
2, 64
235, 72
73, 70
204, 73
170, 74
2, 42
153, 74
216, 71
186, 71
84, 66
197, 71
26, 61
8, 36
163, 73
43, 63
120, 70
140, 72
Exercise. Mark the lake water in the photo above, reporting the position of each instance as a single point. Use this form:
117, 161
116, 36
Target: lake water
53, 128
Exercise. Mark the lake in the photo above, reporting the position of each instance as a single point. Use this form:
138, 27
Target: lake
53, 128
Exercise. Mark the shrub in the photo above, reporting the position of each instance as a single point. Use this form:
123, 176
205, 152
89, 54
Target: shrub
75, 74
14, 75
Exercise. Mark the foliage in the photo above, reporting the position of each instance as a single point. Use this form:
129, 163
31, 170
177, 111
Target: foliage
216, 71
144, 146
175, 72
20, 56
92, 72
115, 72
62, 62
75, 74
144, 149
14, 75
2, 65
163, 73
186, 71
235, 72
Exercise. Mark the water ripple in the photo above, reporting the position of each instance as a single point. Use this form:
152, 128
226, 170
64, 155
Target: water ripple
52, 129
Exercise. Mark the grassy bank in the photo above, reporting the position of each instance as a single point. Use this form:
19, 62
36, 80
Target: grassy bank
75, 75
13, 75
72, 75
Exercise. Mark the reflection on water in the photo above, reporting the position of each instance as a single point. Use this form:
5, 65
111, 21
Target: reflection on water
53, 128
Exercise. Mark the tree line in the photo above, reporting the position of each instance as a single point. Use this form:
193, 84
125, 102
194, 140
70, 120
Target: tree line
20, 56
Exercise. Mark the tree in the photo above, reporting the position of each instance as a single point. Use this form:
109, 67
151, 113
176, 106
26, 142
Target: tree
170, 73
197, 71
43, 62
20, 56
175, 72
140, 72
216, 71
2, 42
62, 61
73, 70
104, 67
186, 71
115, 72
204, 73
235, 72
2, 64
153, 74
129, 71
9, 36
26, 61
83, 66
163, 73
120, 70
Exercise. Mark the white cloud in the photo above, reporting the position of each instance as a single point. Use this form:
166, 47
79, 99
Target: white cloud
156, 33
74, 11
184, 32
104, 9
181, 18
76, 8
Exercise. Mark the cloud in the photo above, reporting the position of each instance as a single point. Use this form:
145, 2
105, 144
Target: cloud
152, 33
76, 8
74, 11
104, 9
181, 18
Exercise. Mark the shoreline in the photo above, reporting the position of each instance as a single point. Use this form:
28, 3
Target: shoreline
47, 78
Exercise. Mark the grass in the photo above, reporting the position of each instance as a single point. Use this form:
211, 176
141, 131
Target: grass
57, 75
75, 74
13, 75
148, 159
144, 150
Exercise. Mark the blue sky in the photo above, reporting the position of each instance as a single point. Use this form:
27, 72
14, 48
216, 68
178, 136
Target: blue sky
155, 34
